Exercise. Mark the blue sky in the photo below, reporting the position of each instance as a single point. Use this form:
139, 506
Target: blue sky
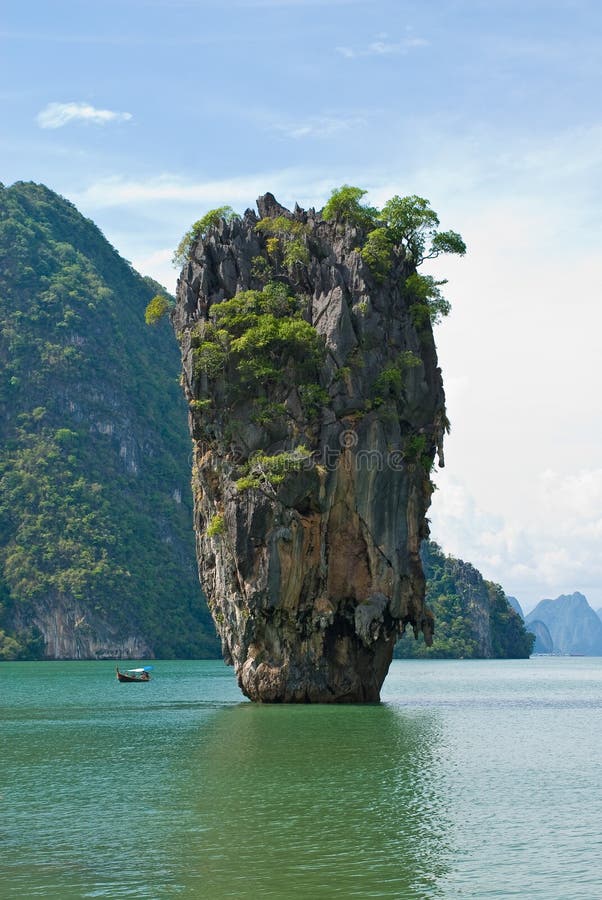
146, 113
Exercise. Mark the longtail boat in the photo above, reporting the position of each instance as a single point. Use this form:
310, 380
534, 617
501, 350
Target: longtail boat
142, 674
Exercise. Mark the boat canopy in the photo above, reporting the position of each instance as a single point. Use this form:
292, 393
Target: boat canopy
138, 671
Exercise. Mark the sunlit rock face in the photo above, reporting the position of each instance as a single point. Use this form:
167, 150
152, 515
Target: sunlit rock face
311, 474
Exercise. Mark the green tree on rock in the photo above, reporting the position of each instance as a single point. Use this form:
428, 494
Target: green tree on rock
156, 309
199, 229
408, 223
412, 223
344, 206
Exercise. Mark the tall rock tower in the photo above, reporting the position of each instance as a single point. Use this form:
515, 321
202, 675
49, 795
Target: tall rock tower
316, 410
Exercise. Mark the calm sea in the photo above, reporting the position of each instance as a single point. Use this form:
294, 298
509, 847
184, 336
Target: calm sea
471, 779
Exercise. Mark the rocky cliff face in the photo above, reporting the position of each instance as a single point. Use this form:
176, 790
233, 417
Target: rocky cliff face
572, 624
71, 630
474, 617
316, 410
543, 638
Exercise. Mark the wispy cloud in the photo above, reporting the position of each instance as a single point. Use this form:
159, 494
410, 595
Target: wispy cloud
289, 185
384, 47
554, 549
320, 126
158, 265
56, 115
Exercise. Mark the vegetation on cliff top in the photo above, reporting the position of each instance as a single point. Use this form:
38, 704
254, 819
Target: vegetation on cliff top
473, 617
405, 226
254, 348
252, 333
260, 345
95, 507
199, 229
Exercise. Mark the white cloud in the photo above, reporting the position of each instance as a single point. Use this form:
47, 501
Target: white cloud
552, 548
320, 126
383, 47
56, 115
159, 266
519, 208
522, 347
289, 185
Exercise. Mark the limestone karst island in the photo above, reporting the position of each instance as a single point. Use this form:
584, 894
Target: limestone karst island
316, 410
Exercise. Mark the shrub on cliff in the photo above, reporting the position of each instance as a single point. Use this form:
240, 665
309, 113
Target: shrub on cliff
199, 230
156, 309
254, 336
406, 223
473, 618
428, 301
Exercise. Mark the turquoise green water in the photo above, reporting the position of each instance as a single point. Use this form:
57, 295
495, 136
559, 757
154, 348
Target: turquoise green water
471, 779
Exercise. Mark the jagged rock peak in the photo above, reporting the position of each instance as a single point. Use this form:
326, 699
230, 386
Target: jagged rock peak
269, 207
316, 410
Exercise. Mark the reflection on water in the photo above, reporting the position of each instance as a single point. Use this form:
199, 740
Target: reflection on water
473, 779
297, 801
177, 789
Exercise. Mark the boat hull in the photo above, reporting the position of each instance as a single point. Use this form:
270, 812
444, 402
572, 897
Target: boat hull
132, 678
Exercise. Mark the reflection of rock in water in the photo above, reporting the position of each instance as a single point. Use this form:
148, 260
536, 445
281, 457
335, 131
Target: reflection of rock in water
310, 801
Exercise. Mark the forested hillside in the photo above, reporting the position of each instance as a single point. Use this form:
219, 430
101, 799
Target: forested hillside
96, 546
473, 618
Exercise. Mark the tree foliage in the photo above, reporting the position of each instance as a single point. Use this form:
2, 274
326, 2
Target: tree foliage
157, 308
413, 224
286, 244
378, 252
407, 224
427, 298
461, 600
93, 441
254, 336
344, 205
199, 230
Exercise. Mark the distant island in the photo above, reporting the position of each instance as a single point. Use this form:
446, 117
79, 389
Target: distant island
474, 617
566, 625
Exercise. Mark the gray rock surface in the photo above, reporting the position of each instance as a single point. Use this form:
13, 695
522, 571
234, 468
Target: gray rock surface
312, 580
572, 623
543, 638
515, 606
